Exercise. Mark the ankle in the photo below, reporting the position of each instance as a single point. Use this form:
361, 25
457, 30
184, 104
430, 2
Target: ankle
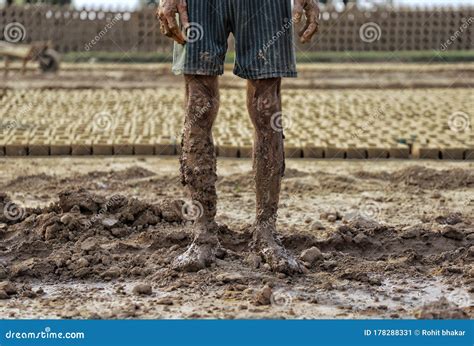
205, 233
264, 232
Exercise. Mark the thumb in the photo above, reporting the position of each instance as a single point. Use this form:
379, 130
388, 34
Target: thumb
297, 11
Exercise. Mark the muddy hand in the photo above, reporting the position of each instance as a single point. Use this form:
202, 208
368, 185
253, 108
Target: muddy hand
167, 15
310, 9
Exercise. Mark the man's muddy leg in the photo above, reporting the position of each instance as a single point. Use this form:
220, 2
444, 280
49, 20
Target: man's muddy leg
264, 106
198, 170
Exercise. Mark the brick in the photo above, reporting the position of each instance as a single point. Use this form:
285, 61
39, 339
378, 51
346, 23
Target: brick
334, 153
453, 153
38, 150
144, 149
16, 150
123, 149
60, 149
469, 154
81, 149
400, 152
227, 151
102, 149
293, 152
356, 153
313, 152
426, 153
245, 152
165, 149
378, 153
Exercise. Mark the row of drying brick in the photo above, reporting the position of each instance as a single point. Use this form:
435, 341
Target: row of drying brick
400, 151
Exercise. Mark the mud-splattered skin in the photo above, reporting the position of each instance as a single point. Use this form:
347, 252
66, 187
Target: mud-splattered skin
264, 104
198, 159
198, 168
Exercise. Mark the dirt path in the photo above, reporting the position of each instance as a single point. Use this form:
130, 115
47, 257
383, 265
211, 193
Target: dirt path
388, 239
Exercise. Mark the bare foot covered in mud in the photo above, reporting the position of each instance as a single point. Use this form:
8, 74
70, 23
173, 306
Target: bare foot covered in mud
202, 252
273, 252
195, 258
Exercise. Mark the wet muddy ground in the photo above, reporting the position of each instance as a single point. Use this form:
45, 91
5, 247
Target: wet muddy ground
94, 238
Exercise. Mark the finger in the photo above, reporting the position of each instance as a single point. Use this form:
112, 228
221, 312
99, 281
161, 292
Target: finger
297, 11
302, 31
183, 14
176, 33
165, 29
178, 36
162, 28
312, 25
161, 16
310, 32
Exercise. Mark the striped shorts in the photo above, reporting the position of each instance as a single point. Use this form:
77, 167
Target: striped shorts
263, 34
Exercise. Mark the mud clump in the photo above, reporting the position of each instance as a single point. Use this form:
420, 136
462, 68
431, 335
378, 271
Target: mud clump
441, 309
425, 178
263, 296
7, 290
142, 289
86, 202
84, 235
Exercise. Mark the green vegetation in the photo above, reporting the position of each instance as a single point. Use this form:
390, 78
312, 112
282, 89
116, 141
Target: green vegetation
303, 57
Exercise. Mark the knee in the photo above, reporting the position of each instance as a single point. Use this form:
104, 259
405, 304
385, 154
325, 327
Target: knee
264, 101
203, 99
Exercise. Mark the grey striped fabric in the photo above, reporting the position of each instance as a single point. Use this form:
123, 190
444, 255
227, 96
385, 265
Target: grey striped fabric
263, 33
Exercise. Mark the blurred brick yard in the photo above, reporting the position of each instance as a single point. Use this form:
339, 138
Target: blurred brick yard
399, 111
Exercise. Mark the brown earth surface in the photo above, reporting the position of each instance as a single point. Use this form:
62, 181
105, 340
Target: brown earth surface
311, 76
94, 238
